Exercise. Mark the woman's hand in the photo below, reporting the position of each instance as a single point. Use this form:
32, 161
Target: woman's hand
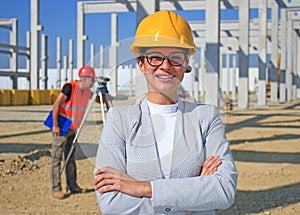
210, 165
110, 179
114, 172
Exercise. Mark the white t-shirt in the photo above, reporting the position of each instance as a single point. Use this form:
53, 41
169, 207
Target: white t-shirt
163, 119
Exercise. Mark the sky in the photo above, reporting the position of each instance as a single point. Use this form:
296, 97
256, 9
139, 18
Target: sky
59, 18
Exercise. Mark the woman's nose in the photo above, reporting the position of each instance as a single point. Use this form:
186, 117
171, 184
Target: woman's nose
166, 64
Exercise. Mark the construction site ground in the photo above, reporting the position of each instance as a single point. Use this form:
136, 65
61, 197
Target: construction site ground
265, 142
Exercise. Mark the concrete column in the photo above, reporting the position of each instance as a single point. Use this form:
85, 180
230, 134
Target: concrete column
262, 53
101, 55
66, 67
274, 52
28, 53
298, 68
196, 82
221, 78
35, 29
13, 61
80, 34
283, 45
227, 74
294, 75
243, 86
71, 58
44, 75
289, 66
58, 62
202, 71
144, 8
191, 77
233, 94
130, 80
92, 55
212, 51
113, 59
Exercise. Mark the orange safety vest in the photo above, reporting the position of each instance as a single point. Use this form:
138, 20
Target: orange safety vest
74, 109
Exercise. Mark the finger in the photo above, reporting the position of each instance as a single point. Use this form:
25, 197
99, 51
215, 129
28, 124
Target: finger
102, 177
217, 163
212, 169
214, 164
210, 160
105, 169
210, 166
111, 170
207, 161
100, 171
105, 189
104, 183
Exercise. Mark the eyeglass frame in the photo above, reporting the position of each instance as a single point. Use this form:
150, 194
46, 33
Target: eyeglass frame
165, 57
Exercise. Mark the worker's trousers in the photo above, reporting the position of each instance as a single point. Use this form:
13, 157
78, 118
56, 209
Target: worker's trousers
60, 145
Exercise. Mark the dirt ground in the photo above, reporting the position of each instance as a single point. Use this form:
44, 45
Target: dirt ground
265, 144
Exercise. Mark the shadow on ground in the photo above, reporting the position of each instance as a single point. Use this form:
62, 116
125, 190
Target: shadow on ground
247, 202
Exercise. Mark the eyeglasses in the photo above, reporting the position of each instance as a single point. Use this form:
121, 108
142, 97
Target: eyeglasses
157, 59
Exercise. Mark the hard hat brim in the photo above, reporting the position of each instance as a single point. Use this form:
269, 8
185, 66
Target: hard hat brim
152, 41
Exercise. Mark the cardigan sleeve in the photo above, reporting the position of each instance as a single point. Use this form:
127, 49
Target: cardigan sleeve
111, 152
201, 193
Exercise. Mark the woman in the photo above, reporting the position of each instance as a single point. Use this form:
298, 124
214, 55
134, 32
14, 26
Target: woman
164, 155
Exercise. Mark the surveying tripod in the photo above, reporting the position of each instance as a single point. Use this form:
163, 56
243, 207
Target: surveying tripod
96, 86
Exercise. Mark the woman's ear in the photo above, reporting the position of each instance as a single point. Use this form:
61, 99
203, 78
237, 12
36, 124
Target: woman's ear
140, 63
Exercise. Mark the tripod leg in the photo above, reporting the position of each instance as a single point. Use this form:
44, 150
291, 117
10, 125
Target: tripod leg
102, 108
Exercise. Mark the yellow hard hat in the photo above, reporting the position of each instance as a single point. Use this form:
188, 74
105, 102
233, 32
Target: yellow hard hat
164, 29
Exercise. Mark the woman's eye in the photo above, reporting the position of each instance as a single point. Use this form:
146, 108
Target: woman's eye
156, 58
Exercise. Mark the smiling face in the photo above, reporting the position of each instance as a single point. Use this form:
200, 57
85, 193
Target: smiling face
164, 69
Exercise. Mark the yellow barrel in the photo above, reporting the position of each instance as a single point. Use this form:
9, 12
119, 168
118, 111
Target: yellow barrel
40, 97
5, 97
19, 97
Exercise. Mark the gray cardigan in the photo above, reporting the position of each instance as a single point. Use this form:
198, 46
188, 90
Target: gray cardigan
127, 143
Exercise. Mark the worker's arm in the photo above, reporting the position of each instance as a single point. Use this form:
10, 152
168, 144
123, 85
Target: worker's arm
59, 100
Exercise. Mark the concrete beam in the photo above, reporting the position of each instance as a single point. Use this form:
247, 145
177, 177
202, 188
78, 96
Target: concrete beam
224, 4
6, 21
109, 6
12, 74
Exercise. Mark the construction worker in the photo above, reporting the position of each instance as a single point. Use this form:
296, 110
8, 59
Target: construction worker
164, 155
71, 103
